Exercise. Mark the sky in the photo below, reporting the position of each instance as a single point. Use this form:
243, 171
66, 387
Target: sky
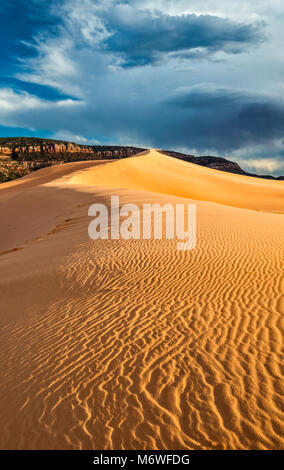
202, 77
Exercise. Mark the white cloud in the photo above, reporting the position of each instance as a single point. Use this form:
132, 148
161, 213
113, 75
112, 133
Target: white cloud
240, 10
264, 158
69, 58
14, 105
11, 101
67, 135
81, 17
52, 65
269, 165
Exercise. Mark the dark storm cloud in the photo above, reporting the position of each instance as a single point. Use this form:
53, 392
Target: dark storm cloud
222, 119
148, 38
78, 71
202, 118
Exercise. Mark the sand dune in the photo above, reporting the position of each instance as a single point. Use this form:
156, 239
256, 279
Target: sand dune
153, 171
113, 344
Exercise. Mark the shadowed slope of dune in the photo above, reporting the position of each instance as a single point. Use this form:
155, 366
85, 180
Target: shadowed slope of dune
113, 344
46, 175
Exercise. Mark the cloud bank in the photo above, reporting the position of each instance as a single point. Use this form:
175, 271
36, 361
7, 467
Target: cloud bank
203, 78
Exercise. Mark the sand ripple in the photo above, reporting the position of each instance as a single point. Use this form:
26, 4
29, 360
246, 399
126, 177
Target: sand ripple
134, 345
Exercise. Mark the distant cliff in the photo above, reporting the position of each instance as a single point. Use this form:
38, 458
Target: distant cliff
21, 155
218, 163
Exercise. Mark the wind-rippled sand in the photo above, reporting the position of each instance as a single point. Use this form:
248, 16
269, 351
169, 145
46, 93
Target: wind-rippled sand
114, 344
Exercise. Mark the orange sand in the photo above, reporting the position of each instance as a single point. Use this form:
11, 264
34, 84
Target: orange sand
114, 344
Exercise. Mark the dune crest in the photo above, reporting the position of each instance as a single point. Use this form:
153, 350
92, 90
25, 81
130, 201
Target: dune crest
116, 344
153, 171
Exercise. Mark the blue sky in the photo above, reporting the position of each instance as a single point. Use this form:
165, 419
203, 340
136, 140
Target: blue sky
203, 77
